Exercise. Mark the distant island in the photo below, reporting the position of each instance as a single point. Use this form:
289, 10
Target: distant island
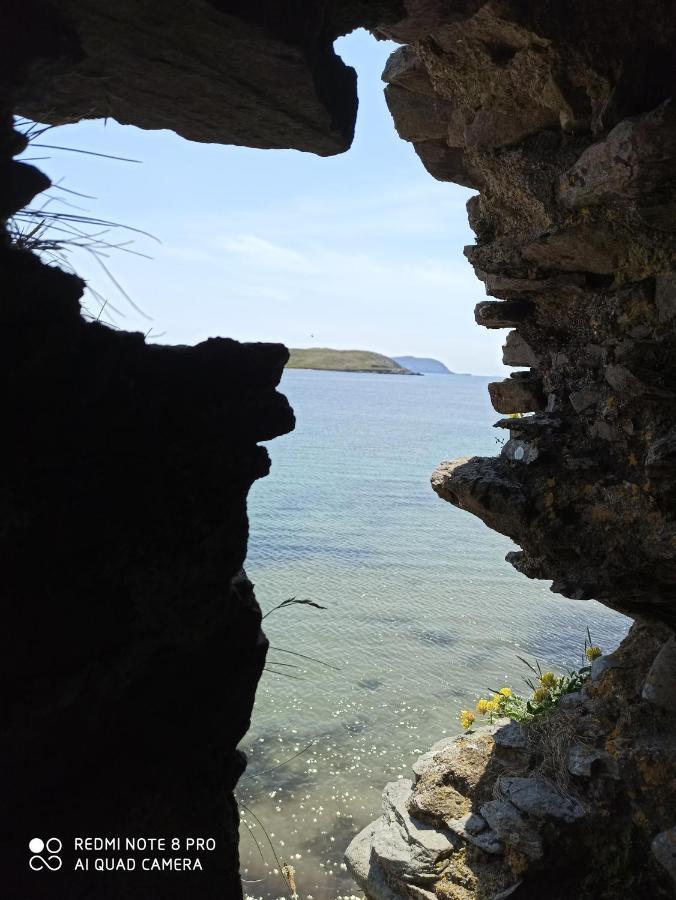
423, 365
345, 361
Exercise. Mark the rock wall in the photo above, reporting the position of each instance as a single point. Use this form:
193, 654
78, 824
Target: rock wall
560, 115
132, 643
539, 108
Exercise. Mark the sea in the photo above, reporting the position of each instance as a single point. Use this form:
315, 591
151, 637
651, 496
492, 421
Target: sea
417, 614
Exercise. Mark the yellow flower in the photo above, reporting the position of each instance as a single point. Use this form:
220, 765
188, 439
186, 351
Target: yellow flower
540, 695
482, 706
593, 653
506, 692
466, 718
491, 705
548, 679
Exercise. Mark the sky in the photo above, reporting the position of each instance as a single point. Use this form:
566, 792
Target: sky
357, 251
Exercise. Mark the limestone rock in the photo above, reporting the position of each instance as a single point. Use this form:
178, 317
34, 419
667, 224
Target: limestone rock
583, 400
486, 840
511, 828
432, 842
565, 285
664, 851
516, 351
483, 486
397, 847
660, 685
538, 797
365, 868
517, 394
405, 69
510, 736
420, 893
571, 702
501, 315
588, 762
665, 296
418, 117
446, 163
520, 451
575, 249
625, 165
427, 761
660, 460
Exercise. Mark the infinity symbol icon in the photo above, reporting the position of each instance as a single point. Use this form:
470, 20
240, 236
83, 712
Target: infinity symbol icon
52, 861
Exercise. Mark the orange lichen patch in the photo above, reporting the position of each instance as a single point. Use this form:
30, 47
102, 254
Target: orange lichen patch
616, 733
640, 819
460, 779
472, 876
654, 792
471, 761
517, 862
437, 802
601, 514
450, 891
656, 771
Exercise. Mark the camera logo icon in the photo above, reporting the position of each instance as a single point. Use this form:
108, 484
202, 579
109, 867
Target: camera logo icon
45, 854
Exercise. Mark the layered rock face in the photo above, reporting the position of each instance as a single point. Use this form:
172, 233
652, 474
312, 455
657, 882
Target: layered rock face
573, 155
561, 116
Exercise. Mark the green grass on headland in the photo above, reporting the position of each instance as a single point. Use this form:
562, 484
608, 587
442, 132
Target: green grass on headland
344, 361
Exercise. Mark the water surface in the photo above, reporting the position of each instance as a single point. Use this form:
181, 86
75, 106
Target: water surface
422, 612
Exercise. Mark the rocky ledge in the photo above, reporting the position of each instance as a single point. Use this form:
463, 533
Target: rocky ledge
575, 806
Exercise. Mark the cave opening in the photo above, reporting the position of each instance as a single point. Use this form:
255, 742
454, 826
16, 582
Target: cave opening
143, 453
350, 251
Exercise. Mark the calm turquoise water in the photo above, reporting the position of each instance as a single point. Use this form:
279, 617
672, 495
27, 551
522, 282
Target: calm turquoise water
422, 612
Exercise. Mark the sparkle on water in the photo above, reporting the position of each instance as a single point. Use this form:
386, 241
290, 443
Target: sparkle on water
423, 614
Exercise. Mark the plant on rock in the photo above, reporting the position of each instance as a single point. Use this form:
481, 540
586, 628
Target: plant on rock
546, 689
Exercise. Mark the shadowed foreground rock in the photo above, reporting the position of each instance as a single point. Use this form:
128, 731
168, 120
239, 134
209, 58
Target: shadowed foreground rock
259, 74
132, 640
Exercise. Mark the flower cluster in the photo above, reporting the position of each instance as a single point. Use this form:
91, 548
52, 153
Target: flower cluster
546, 689
467, 718
499, 704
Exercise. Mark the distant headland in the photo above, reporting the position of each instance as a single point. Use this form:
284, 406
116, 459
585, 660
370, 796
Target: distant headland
423, 365
344, 361
324, 358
